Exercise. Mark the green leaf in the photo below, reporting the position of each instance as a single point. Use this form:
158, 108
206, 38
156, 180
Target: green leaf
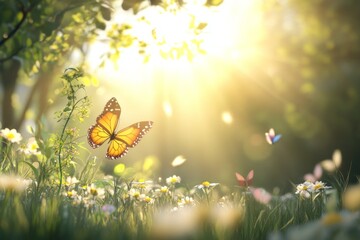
106, 13
35, 171
100, 24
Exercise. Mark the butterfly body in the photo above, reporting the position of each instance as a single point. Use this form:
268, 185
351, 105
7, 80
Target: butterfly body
119, 141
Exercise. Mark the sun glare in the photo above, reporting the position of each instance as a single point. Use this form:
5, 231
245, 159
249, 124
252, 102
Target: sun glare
184, 90
167, 109
229, 36
227, 117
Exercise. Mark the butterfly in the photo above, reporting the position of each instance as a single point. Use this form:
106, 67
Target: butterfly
331, 165
179, 160
121, 141
271, 138
316, 175
261, 195
245, 182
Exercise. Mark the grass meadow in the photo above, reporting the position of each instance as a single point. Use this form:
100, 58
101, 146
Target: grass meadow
48, 190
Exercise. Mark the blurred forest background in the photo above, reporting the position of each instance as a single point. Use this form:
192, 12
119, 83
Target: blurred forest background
214, 77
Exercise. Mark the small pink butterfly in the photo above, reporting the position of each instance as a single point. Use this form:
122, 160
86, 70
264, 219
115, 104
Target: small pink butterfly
271, 138
316, 175
245, 182
261, 195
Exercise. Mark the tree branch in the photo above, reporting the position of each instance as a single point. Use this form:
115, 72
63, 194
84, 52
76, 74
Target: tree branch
11, 55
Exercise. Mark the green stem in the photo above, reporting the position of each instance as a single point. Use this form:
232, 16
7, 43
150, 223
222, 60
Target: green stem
62, 136
207, 197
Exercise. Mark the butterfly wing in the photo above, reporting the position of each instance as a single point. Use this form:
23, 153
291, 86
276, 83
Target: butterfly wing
127, 137
276, 138
241, 179
261, 195
268, 138
309, 177
337, 158
250, 177
318, 171
105, 124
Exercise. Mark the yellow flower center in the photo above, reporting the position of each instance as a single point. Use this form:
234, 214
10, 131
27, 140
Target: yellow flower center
136, 195
206, 184
147, 199
188, 200
34, 146
93, 192
69, 193
10, 136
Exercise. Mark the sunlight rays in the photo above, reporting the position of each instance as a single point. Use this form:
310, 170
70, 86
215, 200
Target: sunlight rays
186, 91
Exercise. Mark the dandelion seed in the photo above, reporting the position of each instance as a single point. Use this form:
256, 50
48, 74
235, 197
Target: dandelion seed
11, 135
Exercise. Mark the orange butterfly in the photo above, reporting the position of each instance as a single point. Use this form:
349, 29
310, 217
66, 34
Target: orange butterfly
120, 141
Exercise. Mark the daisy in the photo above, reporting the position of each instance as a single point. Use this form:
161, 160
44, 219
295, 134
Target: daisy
206, 184
173, 180
318, 186
11, 135
186, 201
32, 146
304, 189
96, 192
